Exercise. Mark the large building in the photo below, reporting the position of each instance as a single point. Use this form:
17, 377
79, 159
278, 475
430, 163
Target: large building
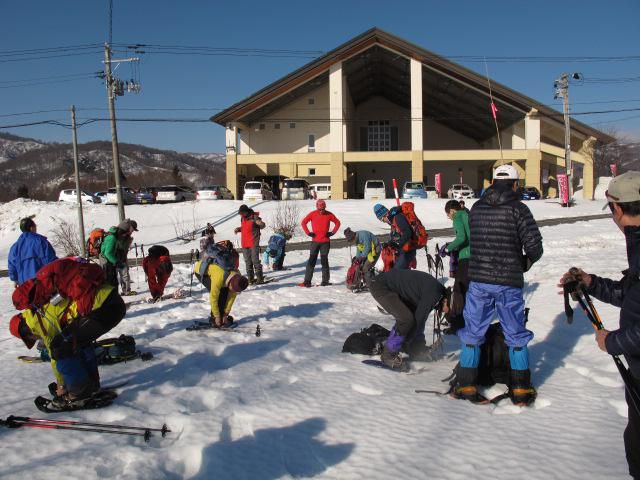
378, 107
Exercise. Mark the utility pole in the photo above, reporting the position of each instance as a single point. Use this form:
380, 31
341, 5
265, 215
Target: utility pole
562, 91
109, 80
77, 171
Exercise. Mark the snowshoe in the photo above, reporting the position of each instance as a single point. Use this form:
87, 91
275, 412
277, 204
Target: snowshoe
403, 368
470, 393
522, 397
129, 293
325, 284
305, 285
101, 399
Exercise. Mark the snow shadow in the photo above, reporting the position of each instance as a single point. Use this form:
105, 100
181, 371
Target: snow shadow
302, 310
271, 453
549, 354
190, 370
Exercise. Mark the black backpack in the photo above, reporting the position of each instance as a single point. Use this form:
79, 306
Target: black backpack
369, 341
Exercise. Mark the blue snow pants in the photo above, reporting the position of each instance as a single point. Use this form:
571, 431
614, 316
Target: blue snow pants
80, 371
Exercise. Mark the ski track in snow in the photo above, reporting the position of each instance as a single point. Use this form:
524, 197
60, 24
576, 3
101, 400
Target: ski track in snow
289, 404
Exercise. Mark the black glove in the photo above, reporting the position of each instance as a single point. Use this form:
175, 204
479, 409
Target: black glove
329, 234
526, 263
61, 348
311, 234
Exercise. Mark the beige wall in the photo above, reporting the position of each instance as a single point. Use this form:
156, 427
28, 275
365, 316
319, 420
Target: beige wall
438, 137
291, 140
379, 108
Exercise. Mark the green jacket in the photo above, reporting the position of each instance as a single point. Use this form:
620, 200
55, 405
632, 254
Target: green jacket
461, 242
115, 249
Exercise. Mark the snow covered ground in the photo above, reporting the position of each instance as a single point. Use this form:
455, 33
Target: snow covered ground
289, 404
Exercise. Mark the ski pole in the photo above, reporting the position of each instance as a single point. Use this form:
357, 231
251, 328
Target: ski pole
135, 246
142, 250
191, 269
164, 430
146, 434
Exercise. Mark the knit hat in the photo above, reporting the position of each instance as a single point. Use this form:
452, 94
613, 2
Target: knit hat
380, 210
321, 204
349, 234
243, 210
624, 188
26, 224
19, 328
127, 224
238, 283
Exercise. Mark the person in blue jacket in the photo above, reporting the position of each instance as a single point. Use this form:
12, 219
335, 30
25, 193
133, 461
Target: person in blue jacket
31, 252
275, 251
367, 246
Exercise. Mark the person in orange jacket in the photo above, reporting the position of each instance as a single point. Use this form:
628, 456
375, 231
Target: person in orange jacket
321, 220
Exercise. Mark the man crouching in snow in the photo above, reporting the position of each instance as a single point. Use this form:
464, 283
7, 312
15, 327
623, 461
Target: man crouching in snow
223, 286
410, 296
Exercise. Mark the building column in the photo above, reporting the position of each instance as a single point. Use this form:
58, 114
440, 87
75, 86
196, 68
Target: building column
533, 170
532, 130
417, 141
337, 176
588, 180
336, 108
231, 142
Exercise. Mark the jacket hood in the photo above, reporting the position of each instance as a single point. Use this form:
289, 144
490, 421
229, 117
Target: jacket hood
632, 235
495, 196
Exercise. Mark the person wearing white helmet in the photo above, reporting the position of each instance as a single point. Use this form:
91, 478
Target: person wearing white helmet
504, 242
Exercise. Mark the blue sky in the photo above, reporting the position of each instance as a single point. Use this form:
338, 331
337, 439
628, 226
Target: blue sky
211, 83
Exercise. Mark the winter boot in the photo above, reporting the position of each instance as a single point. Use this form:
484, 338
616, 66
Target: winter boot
259, 278
392, 359
465, 386
521, 391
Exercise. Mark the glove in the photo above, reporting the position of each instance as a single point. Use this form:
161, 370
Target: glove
526, 263
237, 230
329, 234
442, 251
311, 234
60, 348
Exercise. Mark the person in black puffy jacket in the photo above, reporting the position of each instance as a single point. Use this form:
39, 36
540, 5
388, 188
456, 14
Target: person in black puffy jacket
623, 195
505, 242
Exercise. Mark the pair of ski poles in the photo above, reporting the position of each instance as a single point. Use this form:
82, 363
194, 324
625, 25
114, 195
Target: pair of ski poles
144, 432
576, 290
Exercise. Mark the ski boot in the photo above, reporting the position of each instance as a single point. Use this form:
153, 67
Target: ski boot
521, 391
464, 386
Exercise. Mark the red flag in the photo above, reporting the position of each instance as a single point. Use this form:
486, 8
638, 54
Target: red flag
494, 110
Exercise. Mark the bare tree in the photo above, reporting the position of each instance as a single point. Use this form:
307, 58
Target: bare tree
185, 230
624, 153
65, 238
286, 219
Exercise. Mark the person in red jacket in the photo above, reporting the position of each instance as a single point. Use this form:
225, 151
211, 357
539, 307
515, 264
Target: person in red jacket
250, 226
320, 220
158, 267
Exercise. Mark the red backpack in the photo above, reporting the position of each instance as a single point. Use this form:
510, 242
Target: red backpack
355, 275
420, 235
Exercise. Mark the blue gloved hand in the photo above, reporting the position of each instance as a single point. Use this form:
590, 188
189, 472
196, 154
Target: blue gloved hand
442, 251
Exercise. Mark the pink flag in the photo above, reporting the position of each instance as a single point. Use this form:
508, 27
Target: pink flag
494, 110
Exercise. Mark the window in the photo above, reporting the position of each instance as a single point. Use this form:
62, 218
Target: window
292, 125
312, 143
378, 136
262, 126
276, 126
312, 101
312, 172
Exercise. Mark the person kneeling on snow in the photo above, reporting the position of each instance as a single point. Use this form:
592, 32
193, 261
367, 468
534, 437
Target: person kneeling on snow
223, 286
367, 246
275, 251
410, 296
68, 334
158, 267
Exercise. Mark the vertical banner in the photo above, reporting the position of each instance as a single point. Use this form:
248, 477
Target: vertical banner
614, 169
395, 191
438, 182
563, 184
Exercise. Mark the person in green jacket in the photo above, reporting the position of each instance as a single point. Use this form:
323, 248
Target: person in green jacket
461, 246
113, 254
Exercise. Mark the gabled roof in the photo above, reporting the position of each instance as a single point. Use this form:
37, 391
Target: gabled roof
370, 59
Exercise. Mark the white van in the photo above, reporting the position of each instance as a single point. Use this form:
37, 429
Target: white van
320, 191
295, 189
375, 190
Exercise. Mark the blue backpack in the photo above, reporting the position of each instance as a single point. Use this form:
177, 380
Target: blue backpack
222, 254
277, 243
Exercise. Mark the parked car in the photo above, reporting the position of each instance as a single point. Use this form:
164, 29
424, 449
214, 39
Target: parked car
413, 190
431, 191
294, 189
256, 190
175, 193
102, 196
214, 192
320, 191
460, 190
70, 196
530, 193
128, 196
375, 190
146, 195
